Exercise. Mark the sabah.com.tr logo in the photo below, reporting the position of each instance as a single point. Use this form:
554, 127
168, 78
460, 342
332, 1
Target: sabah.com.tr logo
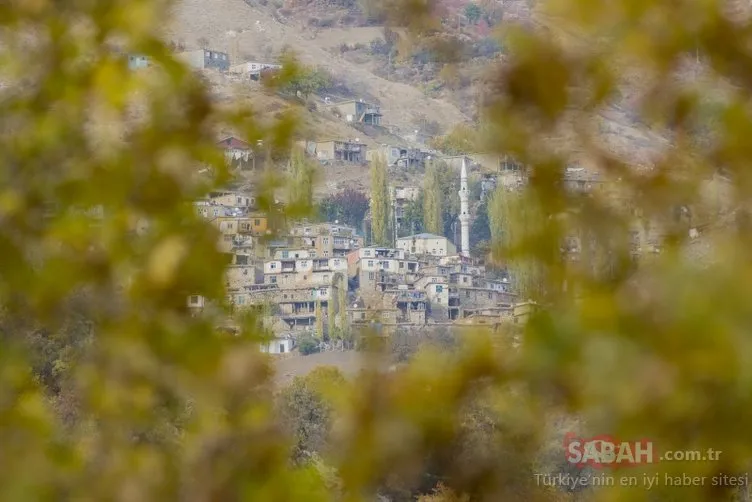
606, 452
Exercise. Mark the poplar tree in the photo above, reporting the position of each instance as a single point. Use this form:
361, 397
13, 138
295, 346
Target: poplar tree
379, 202
342, 296
514, 219
319, 332
330, 316
432, 201
300, 191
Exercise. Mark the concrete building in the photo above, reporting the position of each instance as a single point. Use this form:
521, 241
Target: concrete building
282, 344
358, 111
426, 244
203, 59
341, 150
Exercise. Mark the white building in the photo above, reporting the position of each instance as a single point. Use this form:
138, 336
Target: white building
254, 67
282, 344
430, 244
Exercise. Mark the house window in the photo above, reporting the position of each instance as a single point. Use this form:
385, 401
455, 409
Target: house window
326, 253
439, 289
281, 348
272, 266
370, 263
490, 295
240, 200
240, 300
285, 254
370, 276
326, 240
467, 294
303, 263
401, 265
257, 222
273, 279
194, 300
464, 279
326, 277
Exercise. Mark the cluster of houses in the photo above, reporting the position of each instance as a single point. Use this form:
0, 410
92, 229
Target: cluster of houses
301, 276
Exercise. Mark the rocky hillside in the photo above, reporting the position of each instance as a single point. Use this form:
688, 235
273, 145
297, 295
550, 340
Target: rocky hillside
250, 32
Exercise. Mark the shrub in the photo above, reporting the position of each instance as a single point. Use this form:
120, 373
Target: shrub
307, 345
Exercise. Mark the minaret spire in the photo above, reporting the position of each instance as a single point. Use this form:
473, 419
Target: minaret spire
464, 212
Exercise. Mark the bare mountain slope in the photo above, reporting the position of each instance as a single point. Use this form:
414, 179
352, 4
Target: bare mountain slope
261, 35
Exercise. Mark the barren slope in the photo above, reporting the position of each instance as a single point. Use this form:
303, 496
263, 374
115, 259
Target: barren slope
262, 36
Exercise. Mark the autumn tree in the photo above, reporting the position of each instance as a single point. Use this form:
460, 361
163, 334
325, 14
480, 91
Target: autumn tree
307, 413
514, 219
433, 197
380, 214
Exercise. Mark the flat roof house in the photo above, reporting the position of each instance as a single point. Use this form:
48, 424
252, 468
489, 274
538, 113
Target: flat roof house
358, 111
429, 244
205, 58
343, 150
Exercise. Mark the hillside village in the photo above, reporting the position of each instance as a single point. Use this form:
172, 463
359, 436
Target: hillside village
327, 279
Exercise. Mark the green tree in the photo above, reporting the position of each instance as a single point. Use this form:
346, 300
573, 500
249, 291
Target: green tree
380, 217
349, 206
307, 345
480, 230
473, 12
412, 216
433, 201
